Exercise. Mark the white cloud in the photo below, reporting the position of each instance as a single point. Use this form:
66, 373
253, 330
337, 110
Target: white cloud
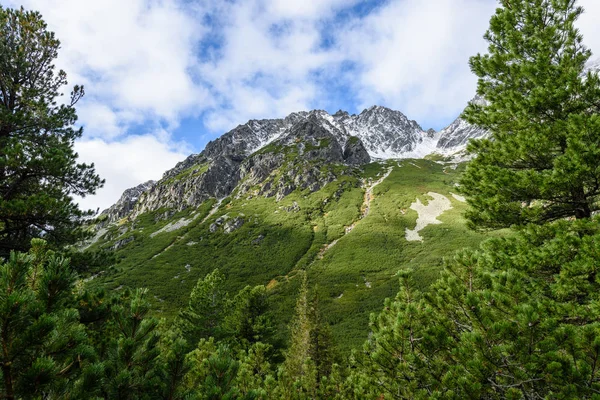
413, 55
134, 56
100, 120
305, 9
126, 164
266, 60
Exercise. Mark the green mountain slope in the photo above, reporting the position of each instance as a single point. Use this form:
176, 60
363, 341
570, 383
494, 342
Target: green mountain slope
352, 254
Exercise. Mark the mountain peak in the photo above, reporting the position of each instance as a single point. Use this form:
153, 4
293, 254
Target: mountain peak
378, 108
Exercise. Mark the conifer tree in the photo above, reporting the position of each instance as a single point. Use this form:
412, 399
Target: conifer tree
298, 353
248, 320
255, 375
542, 111
133, 368
322, 347
43, 346
207, 308
173, 358
39, 171
311, 353
516, 319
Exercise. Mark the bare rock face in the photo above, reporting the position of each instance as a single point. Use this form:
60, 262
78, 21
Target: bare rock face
295, 160
216, 179
456, 136
233, 225
355, 152
385, 133
122, 243
125, 205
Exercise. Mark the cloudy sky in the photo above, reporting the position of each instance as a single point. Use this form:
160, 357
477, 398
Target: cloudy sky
164, 77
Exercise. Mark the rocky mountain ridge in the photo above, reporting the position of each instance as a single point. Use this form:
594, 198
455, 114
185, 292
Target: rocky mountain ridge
273, 157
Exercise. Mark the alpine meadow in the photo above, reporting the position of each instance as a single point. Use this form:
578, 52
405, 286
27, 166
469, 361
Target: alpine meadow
317, 255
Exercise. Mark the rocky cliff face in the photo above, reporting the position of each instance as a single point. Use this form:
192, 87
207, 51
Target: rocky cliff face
125, 205
456, 136
214, 178
385, 133
298, 159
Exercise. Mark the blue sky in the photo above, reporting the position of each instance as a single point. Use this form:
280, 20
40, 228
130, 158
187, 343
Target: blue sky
163, 77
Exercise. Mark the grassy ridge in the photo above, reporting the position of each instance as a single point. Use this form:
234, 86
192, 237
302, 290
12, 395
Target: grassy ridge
277, 239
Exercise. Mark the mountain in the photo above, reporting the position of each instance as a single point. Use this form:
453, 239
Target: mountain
247, 155
349, 198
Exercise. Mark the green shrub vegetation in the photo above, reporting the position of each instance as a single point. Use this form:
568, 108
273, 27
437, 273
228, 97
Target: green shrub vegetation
278, 239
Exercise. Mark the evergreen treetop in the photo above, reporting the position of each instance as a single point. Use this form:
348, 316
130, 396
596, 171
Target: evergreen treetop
39, 171
541, 161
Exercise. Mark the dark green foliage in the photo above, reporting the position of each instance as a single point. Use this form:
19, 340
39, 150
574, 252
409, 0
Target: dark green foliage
311, 352
86, 263
541, 161
132, 365
297, 366
222, 369
517, 319
274, 243
322, 347
176, 365
43, 344
38, 167
249, 320
207, 309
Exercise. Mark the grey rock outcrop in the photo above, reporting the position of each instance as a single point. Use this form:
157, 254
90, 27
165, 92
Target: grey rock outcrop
122, 243
218, 181
258, 239
233, 225
314, 143
125, 205
355, 152
385, 133
456, 136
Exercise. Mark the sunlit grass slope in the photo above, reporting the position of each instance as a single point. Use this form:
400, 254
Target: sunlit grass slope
277, 239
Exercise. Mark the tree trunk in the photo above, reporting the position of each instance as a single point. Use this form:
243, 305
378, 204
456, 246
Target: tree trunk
8, 383
583, 209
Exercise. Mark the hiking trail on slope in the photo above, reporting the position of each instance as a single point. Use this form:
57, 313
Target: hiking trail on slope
366, 207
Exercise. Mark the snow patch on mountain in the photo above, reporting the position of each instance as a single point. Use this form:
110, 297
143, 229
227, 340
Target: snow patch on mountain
428, 214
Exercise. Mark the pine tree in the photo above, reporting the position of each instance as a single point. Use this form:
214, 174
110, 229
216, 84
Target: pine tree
255, 375
44, 348
207, 308
132, 363
541, 161
248, 320
322, 347
38, 167
516, 319
298, 353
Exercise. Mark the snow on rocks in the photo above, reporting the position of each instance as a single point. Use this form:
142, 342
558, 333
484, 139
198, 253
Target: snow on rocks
427, 214
459, 197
